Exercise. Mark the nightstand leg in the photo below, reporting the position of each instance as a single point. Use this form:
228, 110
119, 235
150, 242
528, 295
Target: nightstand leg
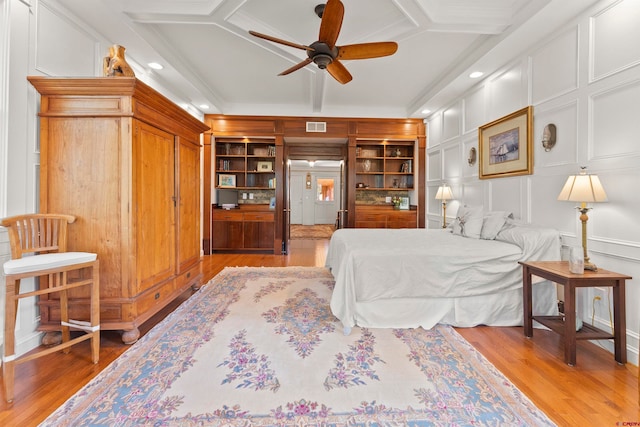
526, 302
619, 323
569, 324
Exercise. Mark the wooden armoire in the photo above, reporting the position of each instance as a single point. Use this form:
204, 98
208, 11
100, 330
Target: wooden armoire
125, 161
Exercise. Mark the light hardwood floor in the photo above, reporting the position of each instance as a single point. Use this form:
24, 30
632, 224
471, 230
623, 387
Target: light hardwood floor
597, 392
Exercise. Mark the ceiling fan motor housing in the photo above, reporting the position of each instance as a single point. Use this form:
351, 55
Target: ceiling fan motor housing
322, 55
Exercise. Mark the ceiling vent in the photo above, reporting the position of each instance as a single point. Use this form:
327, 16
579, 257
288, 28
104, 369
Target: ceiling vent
316, 126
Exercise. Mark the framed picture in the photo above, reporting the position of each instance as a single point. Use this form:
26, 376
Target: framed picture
265, 167
226, 181
505, 147
404, 203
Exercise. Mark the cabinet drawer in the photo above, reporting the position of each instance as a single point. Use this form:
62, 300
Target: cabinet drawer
371, 224
224, 215
371, 217
189, 278
158, 296
259, 216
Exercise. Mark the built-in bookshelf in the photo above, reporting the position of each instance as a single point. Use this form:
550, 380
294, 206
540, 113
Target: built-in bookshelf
383, 165
245, 164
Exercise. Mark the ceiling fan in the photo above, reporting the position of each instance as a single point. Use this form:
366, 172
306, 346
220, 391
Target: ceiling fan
324, 52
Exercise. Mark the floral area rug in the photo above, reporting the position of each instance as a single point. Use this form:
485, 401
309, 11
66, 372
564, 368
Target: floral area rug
260, 347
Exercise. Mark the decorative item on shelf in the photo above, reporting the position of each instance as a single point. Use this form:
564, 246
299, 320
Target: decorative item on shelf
366, 165
444, 193
308, 181
264, 167
472, 156
398, 152
396, 200
404, 203
226, 181
115, 65
584, 188
549, 137
395, 183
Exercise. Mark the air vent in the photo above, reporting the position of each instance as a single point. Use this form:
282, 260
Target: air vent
316, 126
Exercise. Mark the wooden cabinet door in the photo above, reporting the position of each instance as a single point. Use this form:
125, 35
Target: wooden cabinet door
154, 210
226, 235
188, 191
258, 234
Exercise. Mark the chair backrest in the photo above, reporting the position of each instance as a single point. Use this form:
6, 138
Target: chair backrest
37, 233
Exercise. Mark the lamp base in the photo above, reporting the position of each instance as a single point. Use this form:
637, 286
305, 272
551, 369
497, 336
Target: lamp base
590, 266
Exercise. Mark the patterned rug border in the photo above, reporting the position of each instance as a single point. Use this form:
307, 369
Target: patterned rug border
91, 394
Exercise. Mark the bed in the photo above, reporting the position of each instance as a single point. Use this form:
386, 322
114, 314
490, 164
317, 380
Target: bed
406, 278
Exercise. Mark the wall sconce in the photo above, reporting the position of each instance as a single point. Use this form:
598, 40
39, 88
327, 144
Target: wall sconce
444, 193
472, 156
308, 181
549, 137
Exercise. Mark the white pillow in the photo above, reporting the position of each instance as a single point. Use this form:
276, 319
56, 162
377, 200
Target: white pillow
468, 222
492, 223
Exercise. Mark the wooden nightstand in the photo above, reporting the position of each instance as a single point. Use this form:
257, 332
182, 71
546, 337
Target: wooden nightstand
558, 271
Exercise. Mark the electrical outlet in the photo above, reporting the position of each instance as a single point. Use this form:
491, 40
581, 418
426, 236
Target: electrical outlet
244, 196
250, 196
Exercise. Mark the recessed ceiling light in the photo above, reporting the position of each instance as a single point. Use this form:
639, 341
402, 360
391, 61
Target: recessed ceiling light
204, 106
155, 66
425, 111
476, 74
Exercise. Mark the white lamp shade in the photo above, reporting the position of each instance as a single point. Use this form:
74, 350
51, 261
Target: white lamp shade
583, 188
444, 193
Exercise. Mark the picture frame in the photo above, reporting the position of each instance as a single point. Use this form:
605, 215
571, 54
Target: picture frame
505, 145
226, 181
404, 203
264, 167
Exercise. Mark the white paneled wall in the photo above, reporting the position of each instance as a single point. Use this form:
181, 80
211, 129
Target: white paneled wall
585, 79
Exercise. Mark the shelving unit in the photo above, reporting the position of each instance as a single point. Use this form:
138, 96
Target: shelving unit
245, 164
382, 165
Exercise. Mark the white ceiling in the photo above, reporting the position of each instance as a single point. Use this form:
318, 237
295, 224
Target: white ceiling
210, 58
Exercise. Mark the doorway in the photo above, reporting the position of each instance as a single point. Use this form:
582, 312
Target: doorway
314, 187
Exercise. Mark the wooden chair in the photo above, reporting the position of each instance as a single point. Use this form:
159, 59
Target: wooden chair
43, 238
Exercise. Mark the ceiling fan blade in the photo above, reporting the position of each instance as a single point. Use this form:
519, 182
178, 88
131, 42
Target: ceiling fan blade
277, 40
296, 67
367, 50
331, 22
339, 72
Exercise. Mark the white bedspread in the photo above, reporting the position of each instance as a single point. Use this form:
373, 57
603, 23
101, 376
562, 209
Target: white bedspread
419, 277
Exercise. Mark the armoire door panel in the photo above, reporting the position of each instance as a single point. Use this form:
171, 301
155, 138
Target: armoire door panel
154, 195
78, 160
188, 170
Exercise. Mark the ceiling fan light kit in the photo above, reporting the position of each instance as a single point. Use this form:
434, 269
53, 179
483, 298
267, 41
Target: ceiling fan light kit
324, 52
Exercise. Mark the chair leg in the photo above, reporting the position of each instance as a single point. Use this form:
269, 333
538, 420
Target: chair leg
8, 363
61, 280
95, 312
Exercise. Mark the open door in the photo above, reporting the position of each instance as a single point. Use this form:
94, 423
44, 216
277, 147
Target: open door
286, 229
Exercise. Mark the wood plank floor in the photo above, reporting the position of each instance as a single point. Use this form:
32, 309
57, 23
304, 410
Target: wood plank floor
597, 392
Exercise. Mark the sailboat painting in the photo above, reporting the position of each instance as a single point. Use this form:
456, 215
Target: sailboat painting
505, 146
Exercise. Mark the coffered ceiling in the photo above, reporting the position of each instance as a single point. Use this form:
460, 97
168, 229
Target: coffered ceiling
210, 59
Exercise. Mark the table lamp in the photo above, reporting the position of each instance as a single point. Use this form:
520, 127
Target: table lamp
444, 193
583, 188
